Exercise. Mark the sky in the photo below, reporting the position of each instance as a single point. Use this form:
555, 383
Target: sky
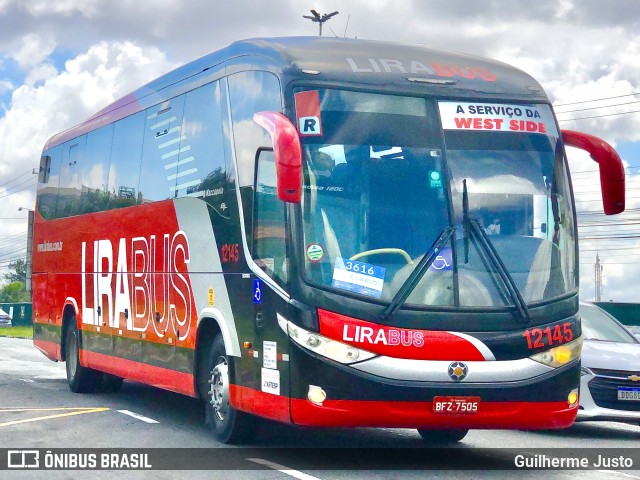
62, 60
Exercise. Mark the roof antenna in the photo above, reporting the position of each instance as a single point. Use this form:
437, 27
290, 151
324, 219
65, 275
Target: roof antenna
346, 26
320, 19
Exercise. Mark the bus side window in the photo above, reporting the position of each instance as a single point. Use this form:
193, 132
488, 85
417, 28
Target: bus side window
95, 173
250, 92
48, 184
71, 177
126, 154
202, 170
163, 141
269, 237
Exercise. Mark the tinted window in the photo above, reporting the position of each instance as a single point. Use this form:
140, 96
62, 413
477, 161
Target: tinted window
269, 238
124, 171
250, 92
95, 171
48, 192
599, 325
164, 140
71, 177
201, 169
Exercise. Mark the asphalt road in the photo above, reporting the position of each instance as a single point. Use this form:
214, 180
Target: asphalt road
38, 411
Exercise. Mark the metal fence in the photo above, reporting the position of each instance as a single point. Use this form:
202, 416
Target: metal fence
20, 313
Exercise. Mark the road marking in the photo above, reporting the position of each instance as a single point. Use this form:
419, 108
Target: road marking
138, 416
619, 473
75, 411
283, 469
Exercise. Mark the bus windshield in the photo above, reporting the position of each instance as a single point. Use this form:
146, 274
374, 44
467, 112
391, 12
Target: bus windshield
385, 176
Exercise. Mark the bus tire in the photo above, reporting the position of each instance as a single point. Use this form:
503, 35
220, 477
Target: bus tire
442, 436
227, 424
80, 379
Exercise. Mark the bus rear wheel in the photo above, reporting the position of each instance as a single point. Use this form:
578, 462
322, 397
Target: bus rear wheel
442, 436
227, 424
80, 379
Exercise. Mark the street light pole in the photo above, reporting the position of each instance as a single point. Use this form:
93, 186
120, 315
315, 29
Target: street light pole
320, 19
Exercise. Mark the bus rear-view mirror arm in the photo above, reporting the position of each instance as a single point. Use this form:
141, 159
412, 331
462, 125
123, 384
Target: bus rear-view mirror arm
611, 168
287, 154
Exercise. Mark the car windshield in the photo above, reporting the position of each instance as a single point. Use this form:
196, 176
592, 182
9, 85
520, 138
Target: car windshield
382, 183
599, 325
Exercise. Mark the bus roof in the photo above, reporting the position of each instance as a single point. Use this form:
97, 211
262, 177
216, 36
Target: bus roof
413, 69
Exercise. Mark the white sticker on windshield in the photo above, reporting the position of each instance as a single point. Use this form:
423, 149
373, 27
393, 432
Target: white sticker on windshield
497, 117
358, 277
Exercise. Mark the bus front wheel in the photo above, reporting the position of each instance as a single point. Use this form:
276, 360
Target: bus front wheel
442, 436
80, 379
228, 424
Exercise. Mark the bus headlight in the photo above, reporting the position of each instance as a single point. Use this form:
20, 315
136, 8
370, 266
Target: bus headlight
327, 347
560, 355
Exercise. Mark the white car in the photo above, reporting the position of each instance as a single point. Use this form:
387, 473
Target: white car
5, 319
610, 375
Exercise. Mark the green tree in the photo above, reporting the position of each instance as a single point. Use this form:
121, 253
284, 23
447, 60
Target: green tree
17, 272
14, 292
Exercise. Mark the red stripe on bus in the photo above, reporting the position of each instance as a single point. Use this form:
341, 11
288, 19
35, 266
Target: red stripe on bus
267, 405
493, 415
397, 342
141, 372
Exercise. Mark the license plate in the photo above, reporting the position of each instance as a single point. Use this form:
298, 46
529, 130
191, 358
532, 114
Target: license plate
629, 394
453, 405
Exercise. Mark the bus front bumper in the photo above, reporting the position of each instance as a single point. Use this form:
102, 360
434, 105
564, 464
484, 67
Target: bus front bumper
358, 399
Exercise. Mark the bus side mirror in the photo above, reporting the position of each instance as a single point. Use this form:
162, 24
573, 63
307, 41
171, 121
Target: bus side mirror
611, 168
287, 153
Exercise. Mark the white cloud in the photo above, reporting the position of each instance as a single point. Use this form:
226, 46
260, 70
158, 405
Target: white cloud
60, 7
5, 86
33, 50
89, 82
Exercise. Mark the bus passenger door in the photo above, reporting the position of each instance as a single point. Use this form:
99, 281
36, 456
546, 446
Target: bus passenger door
269, 247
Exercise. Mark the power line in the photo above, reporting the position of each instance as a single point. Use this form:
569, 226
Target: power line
19, 176
599, 108
21, 190
598, 116
596, 100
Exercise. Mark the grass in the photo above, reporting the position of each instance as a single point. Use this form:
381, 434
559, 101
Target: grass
16, 332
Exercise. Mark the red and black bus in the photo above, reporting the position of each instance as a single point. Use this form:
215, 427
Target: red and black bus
322, 232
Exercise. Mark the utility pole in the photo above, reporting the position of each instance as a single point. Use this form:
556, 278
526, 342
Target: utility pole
320, 19
597, 274
29, 247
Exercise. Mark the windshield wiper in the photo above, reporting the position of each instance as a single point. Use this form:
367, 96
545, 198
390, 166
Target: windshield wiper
416, 275
473, 228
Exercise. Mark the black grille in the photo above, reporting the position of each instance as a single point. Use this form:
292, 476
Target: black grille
621, 374
604, 392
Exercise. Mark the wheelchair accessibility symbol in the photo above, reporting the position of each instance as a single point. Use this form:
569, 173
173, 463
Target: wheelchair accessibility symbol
440, 263
257, 291
443, 261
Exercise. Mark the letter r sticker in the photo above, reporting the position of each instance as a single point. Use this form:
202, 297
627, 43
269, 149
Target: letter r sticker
308, 113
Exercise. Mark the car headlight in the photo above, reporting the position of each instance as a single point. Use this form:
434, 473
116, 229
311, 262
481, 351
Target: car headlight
327, 347
560, 355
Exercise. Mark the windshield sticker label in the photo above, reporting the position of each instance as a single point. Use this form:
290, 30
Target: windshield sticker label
443, 261
358, 277
315, 252
497, 117
308, 113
